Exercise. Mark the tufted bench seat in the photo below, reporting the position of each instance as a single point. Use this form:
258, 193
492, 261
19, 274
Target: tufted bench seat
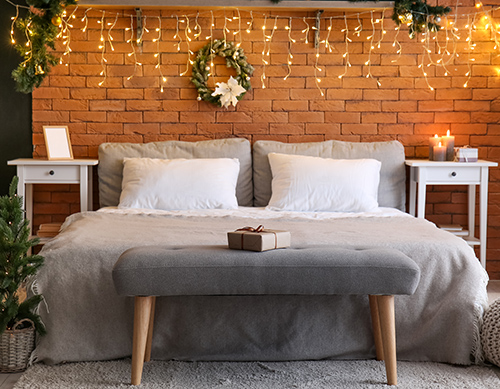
149, 271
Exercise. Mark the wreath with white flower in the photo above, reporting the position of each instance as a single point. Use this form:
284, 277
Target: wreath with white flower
235, 88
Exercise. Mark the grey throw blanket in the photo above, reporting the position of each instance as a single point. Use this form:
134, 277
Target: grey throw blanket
88, 321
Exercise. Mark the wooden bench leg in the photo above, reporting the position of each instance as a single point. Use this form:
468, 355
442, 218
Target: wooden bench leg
388, 328
147, 355
142, 318
377, 334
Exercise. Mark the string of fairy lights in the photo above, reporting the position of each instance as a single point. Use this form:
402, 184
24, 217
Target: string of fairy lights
439, 48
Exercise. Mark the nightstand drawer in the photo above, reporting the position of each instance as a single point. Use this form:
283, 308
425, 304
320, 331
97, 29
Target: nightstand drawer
52, 173
453, 174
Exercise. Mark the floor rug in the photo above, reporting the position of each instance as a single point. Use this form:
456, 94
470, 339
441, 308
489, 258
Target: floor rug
257, 375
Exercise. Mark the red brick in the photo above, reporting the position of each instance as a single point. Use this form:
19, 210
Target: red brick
271, 94
305, 94
214, 128
161, 117
271, 117
180, 105
399, 106
395, 129
354, 129
380, 94
363, 106
453, 117
143, 105
105, 128
288, 129
415, 117
194, 117
417, 94
50, 93
88, 93
107, 105
141, 128
50, 116
342, 117
250, 128
177, 128
286, 105
328, 129
330, 105
254, 106
124, 117
125, 94
306, 117
378, 117
435, 106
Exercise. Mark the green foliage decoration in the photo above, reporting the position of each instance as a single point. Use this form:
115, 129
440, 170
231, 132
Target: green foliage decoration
418, 15
16, 265
35, 40
235, 58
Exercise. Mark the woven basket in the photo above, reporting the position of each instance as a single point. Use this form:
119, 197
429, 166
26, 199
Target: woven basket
16, 346
490, 333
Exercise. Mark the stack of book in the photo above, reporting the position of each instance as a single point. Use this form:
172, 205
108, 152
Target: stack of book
454, 229
48, 230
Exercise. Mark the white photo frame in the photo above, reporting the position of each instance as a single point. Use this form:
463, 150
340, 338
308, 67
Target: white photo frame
57, 142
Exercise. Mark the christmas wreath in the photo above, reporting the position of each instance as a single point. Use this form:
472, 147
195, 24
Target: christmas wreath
225, 93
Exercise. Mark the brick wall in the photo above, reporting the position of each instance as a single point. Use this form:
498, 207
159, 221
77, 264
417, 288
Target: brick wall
353, 108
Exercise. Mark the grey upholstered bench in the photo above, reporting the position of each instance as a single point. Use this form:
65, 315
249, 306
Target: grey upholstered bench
149, 271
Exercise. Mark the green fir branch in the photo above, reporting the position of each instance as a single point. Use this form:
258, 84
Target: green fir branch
16, 265
35, 42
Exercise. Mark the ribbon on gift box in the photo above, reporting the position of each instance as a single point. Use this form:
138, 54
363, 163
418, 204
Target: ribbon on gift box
258, 230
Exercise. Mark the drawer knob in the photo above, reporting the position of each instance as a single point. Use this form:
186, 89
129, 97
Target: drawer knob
453, 174
52, 172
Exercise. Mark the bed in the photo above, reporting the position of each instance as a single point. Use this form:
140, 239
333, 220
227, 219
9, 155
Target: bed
87, 321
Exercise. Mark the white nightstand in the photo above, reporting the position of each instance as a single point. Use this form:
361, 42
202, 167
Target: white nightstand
425, 172
42, 171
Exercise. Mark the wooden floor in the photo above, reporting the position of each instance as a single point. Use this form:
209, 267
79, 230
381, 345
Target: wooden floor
7, 381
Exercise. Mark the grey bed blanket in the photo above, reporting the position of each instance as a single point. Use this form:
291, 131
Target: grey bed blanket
86, 320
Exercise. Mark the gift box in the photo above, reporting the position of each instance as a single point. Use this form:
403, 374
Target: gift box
466, 154
258, 239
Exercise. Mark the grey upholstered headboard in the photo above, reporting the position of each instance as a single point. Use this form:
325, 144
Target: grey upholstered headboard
392, 189
111, 162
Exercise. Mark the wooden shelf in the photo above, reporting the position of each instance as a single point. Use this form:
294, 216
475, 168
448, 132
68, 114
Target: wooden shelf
250, 4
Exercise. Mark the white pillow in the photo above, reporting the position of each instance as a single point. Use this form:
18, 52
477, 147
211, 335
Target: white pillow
178, 184
303, 183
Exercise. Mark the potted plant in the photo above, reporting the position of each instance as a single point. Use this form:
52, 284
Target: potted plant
18, 319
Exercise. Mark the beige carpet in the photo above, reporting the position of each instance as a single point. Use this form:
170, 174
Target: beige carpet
257, 375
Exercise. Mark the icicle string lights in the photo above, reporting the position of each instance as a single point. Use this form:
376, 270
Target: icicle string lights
157, 55
13, 18
102, 47
440, 49
264, 61
291, 41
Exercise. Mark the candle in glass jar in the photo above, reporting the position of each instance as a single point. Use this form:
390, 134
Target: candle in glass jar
433, 142
439, 152
449, 143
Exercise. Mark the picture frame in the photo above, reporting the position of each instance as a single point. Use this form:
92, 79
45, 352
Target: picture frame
57, 142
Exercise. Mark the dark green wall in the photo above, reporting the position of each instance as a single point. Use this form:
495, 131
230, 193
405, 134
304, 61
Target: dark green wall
15, 107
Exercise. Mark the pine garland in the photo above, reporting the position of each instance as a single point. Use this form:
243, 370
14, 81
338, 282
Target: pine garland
42, 27
16, 266
235, 58
418, 15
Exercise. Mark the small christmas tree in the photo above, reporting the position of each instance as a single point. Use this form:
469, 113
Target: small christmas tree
16, 266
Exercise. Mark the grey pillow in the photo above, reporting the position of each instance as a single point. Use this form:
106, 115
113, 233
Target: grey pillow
111, 162
392, 189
